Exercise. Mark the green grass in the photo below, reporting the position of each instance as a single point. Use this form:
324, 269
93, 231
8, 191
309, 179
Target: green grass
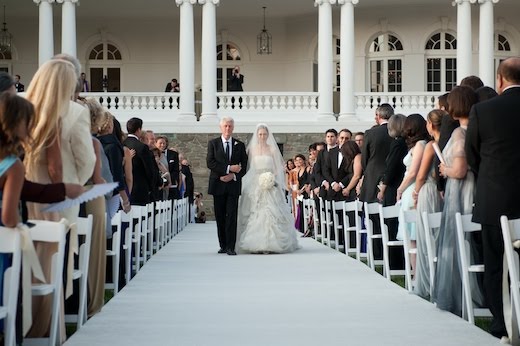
70, 328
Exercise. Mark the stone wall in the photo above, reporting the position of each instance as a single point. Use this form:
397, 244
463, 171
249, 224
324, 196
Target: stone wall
194, 148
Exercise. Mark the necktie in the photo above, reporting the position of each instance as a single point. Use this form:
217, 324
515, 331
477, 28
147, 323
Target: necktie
227, 151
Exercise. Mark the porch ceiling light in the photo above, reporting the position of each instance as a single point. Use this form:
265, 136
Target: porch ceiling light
264, 40
5, 38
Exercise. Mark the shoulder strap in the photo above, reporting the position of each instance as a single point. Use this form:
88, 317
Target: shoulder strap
6, 163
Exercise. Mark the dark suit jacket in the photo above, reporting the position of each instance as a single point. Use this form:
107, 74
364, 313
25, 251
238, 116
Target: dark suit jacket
190, 186
114, 152
143, 171
316, 177
448, 124
492, 153
235, 83
19, 87
217, 162
335, 171
395, 170
173, 165
376, 147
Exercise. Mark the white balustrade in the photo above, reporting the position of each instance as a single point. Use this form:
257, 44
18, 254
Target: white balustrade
160, 111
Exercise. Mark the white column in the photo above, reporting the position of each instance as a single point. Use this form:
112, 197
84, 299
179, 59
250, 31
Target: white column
325, 61
186, 60
464, 47
68, 27
486, 57
209, 59
347, 99
46, 31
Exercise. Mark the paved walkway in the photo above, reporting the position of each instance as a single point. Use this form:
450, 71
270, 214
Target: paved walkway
190, 295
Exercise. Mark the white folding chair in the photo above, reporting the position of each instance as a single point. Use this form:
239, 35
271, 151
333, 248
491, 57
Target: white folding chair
306, 212
352, 207
150, 228
410, 217
359, 231
136, 230
371, 209
84, 229
159, 229
431, 222
337, 208
464, 226
115, 252
50, 232
511, 235
169, 221
127, 244
316, 219
10, 244
385, 213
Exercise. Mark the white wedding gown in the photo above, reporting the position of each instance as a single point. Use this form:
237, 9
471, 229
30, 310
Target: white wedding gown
266, 224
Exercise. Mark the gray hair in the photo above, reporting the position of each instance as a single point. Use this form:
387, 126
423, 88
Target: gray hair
396, 125
77, 66
224, 120
385, 111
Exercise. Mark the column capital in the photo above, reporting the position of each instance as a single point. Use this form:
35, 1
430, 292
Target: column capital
321, 2
180, 2
484, 1
460, 2
343, 2
214, 2
71, 1
37, 2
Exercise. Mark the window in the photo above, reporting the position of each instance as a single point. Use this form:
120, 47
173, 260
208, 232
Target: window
441, 62
226, 61
385, 63
503, 49
337, 59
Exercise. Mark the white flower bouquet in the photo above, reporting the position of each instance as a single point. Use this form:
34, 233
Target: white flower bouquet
266, 181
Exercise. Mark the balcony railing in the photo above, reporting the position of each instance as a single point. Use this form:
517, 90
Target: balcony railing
285, 109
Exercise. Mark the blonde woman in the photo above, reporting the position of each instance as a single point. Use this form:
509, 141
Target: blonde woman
61, 150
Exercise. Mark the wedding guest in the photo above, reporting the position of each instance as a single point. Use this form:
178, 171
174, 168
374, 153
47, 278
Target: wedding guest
97, 208
7, 83
492, 152
427, 199
458, 197
344, 135
172, 87
358, 138
485, 93
289, 166
163, 170
416, 136
70, 159
472, 82
85, 87
299, 188
17, 84
448, 124
352, 167
128, 154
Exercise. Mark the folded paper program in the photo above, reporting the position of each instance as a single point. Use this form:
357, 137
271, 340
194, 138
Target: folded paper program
93, 191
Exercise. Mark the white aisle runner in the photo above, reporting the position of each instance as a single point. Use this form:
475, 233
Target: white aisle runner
190, 295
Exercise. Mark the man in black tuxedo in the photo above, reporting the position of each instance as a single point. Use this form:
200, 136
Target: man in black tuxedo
236, 80
142, 164
19, 86
492, 153
227, 160
376, 147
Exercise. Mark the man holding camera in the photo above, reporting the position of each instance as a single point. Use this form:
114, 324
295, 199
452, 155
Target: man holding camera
236, 80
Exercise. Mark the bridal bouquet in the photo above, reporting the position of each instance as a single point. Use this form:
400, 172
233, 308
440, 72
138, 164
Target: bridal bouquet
266, 180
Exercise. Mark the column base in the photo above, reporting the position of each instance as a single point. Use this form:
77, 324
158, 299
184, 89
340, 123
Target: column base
347, 115
190, 116
209, 117
326, 117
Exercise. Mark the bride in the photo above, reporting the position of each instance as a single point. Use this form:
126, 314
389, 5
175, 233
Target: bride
265, 223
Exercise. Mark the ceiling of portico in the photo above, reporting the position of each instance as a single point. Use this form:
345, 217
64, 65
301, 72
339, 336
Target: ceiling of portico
227, 8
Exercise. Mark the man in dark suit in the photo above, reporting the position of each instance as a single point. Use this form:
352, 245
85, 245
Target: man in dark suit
236, 80
227, 160
172, 157
142, 164
376, 146
19, 86
492, 153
